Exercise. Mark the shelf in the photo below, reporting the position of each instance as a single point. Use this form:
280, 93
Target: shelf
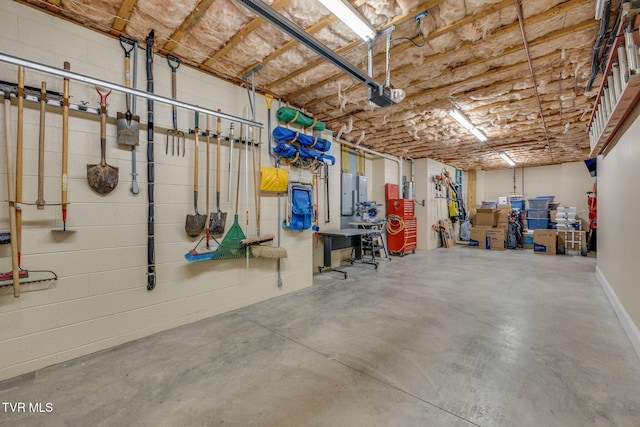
624, 107
627, 100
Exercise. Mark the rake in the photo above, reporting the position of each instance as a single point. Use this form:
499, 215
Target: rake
230, 247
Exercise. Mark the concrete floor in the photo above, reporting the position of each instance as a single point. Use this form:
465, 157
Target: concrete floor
451, 337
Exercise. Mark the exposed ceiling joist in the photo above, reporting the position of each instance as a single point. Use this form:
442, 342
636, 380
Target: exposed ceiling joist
186, 25
126, 8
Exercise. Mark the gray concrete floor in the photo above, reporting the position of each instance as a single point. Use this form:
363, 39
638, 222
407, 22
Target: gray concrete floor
451, 337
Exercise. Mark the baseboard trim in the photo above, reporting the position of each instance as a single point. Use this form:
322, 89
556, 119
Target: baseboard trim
627, 324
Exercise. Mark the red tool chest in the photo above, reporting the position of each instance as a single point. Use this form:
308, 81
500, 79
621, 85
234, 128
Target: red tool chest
402, 227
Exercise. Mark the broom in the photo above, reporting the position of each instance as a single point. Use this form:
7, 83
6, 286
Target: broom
257, 248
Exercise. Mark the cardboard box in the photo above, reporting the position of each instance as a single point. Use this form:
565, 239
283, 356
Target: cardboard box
544, 241
527, 239
497, 238
572, 240
503, 217
486, 216
552, 214
506, 208
478, 237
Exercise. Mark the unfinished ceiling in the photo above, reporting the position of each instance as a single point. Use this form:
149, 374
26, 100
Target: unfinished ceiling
467, 53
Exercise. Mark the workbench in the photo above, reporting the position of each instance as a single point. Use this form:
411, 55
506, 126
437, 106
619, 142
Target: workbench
342, 239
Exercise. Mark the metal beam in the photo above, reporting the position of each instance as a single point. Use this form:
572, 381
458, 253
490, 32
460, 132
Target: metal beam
271, 15
123, 89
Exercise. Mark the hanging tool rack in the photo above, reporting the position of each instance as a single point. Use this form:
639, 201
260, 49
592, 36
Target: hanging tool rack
105, 84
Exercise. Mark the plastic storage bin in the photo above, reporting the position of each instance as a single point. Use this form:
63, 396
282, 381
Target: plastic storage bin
538, 203
537, 213
537, 223
518, 204
489, 205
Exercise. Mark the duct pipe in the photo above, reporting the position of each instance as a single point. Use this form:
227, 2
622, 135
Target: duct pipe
398, 160
345, 129
359, 141
599, 4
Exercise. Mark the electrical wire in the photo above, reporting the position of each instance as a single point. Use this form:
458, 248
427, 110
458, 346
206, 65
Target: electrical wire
410, 39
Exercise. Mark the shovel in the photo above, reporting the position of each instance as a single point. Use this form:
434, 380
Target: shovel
194, 224
128, 124
102, 177
218, 219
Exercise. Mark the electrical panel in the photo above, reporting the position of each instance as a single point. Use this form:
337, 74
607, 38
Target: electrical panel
347, 202
362, 189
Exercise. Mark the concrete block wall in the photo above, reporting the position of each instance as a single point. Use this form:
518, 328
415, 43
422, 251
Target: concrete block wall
100, 298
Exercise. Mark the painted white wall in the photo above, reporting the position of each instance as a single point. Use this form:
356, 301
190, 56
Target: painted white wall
435, 208
100, 299
618, 207
569, 182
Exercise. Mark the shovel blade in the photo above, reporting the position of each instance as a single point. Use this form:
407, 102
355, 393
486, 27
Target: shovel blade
102, 178
194, 225
128, 129
217, 222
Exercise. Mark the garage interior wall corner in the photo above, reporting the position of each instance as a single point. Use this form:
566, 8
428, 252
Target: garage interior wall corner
100, 299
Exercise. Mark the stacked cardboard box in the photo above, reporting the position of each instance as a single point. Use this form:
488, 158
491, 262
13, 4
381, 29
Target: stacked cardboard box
544, 241
490, 228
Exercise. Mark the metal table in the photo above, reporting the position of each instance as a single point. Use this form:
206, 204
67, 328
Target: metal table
342, 239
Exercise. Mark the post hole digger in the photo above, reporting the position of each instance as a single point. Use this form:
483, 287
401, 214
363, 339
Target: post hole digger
176, 136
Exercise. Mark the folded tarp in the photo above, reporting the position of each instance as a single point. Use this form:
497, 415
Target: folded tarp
289, 151
291, 115
289, 135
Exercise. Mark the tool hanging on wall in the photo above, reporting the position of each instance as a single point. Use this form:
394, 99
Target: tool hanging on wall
128, 125
103, 178
174, 134
208, 215
134, 174
19, 161
40, 203
65, 154
230, 162
218, 219
194, 224
151, 251
327, 212
15, 274
230, 246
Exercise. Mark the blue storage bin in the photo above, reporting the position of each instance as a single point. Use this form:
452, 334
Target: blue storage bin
518, 204
537, 223
538, 203
537, 213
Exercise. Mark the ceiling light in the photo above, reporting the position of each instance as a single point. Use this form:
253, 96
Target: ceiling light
507, 159
351, 17
456, 114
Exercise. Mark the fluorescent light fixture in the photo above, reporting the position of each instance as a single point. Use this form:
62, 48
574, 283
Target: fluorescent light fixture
460, 118
351, 17
506, 158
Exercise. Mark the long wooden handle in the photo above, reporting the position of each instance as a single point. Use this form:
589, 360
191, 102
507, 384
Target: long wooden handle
65, 143
127, 78
11, 194
208, 166
19, 159
195, 156
218, 130
43, 103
